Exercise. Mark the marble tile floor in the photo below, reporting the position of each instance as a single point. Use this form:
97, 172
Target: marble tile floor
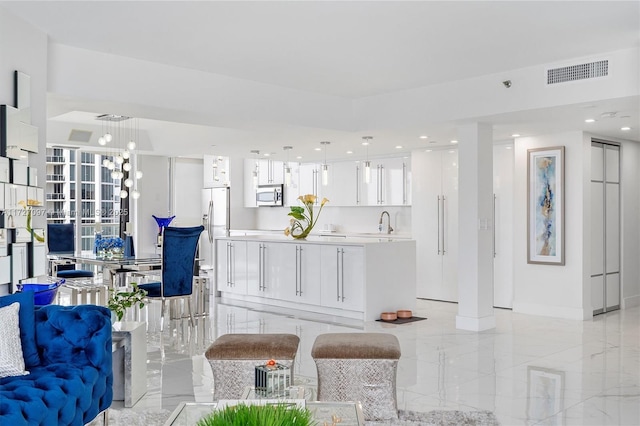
529, 370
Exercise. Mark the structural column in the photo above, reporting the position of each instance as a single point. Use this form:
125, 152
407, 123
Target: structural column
475, 235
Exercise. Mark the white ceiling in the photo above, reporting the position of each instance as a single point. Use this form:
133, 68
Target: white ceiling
350, 49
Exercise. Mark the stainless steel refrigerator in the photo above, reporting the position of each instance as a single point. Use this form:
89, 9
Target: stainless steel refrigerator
215, 219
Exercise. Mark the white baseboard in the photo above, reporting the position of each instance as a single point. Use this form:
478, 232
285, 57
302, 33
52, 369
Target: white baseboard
552, 311
631, 301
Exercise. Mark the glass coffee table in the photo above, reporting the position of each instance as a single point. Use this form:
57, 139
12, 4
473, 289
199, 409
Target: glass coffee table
348, 413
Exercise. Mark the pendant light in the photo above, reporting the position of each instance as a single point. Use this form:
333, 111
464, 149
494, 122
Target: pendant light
367, 163
287, 167
325, 168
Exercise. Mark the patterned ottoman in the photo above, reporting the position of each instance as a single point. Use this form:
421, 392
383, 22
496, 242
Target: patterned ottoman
233, 358
359, 367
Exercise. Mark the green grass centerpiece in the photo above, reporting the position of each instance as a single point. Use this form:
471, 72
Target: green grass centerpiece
281, 414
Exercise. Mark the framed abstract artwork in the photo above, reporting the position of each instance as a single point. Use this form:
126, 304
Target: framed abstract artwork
545, 395
545, 221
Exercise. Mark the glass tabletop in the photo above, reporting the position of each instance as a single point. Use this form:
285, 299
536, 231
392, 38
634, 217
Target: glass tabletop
343, 413
93, 258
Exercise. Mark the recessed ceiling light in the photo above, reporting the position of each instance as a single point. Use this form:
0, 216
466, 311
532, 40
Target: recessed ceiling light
427, 150
454, 141
398, 146
266, 154
625, 128
507, 147
515, 135
318, 149
424, 137
365, 143
299, 157
451, 152
349, 152
589, 120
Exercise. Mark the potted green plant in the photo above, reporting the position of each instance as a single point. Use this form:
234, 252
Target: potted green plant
259, 415
120, 301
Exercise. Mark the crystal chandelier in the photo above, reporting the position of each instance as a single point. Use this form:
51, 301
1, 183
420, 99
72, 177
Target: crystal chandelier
120, 134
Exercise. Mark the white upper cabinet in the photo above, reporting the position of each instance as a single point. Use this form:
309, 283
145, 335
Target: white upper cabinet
270, 172
389, 183
343, 184
250, 182
310, 180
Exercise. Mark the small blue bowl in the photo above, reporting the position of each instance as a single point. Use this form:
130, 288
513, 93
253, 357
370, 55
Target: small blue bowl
43, 293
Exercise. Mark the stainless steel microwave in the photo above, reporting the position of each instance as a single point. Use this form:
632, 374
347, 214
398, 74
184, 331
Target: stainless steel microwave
270, 195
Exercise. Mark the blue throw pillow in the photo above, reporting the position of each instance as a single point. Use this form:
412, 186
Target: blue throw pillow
27, 325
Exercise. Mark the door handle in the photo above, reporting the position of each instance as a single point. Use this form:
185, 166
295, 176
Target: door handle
210, 222
297, 263
342, 256
404, 183
300, 271
338, 273
444, 225
438, 232
357, 185
264, 270
494, 225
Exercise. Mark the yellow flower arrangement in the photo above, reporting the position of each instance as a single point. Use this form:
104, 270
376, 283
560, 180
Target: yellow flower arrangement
302, 218
27, 205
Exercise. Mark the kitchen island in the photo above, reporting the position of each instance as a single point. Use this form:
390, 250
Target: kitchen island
349, 277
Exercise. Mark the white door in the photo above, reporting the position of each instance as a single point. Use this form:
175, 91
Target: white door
308, 179
503, 163
250, 183
343, 184
39, 260
309, 271
605, 227
449, 225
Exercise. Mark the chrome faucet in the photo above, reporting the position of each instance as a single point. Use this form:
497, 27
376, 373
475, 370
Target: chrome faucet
389, 228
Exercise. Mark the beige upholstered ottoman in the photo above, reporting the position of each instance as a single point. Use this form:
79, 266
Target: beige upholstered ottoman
359, 367
233, 358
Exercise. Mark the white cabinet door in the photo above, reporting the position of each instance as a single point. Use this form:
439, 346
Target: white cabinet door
343, 184
265, 277
310, 179
5, 269
38, 260
394, 183
232, 266
342, 277
4, 169
270, 172
308, 273
292, 188
19, 263
435, 223
503, 164
20, 172
250, 183
2, 195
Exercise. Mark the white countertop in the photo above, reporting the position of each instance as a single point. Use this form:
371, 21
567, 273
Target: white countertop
318, 239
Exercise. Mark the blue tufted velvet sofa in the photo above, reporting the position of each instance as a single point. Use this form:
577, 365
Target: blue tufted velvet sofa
71, 382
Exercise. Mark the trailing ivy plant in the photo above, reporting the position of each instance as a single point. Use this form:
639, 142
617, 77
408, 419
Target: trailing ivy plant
259, 415
120, 301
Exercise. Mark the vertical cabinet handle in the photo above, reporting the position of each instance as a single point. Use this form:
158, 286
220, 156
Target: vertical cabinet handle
342, 271
438, 233
381, 184
300, 270
493, 225
260, 266
297, 272
228, 264
233, 267
444, 225
338, 273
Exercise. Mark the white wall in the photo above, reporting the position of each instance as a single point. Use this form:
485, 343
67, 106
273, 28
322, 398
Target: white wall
154, 199
187, 192
558, 291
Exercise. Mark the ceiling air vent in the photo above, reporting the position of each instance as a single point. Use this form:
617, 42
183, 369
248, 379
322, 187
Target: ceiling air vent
80, 136
578, 72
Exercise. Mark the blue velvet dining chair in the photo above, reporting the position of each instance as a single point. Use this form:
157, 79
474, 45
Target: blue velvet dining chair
61, 239
178, 260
